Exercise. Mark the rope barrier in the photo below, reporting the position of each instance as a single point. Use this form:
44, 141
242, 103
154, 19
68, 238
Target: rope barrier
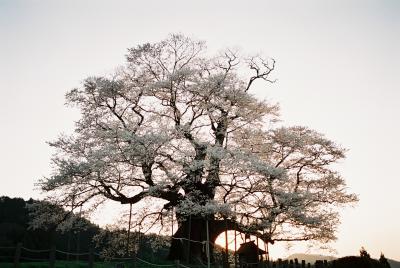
118, 263
201, 262
73, 254
184, 266
33, 259
122, 259
97, 254
194, 241
113, 262
36, 250
159, 265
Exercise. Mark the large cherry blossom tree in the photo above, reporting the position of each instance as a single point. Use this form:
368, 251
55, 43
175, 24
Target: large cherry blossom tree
177, 132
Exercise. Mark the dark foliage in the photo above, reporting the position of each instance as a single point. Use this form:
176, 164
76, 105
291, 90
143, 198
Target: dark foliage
383, 261
357, 262
14, 229
14, 223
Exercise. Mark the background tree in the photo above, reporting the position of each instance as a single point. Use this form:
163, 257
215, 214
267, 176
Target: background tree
383, 261
364, 253
177, 131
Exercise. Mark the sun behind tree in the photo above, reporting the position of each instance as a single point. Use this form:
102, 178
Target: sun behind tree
180, 133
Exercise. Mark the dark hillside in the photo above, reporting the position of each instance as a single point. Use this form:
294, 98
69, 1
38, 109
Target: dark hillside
14, 228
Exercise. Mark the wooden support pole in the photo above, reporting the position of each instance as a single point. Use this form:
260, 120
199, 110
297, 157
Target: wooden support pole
235, 241
91, 258
172, 224
52, 257
134, 259
208, 245
139, 240
129, 229
235, 254
17, 255
189, 237
226, 244
78, 239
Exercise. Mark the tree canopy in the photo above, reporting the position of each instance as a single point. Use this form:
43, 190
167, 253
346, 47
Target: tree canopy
177, 131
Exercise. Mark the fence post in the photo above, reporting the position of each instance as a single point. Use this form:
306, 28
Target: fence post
17, 255
91, 257
177, 263
52, 257
134, 259
285, 263
303, 264
296, 263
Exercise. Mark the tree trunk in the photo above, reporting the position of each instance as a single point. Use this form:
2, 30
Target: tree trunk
194, 251
187, 243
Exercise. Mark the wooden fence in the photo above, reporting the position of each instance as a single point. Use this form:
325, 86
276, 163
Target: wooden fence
50, 256
298, 264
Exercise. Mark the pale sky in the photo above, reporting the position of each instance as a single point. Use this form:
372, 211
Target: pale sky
338, 68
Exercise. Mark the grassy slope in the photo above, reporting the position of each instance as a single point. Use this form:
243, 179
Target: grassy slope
394, 264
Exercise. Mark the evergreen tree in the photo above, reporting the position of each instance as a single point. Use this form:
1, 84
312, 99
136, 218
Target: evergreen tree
364, 253
384, 262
